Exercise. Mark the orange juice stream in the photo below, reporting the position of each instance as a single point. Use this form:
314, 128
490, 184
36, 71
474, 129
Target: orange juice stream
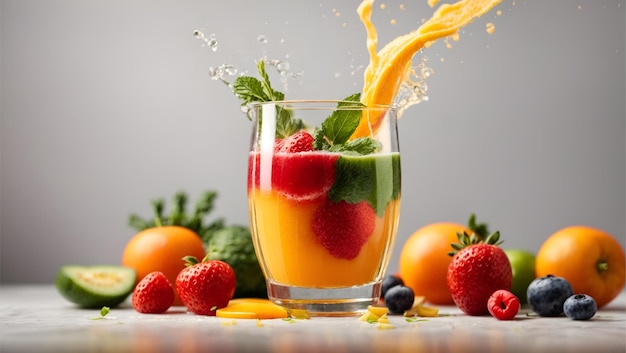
388, 68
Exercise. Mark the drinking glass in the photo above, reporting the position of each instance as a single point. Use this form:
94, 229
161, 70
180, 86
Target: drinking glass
323, 222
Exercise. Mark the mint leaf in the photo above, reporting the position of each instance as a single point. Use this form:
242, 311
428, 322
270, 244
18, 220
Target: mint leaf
286, 125
340, 125
375, 179
270, 93
249, 89
360, 145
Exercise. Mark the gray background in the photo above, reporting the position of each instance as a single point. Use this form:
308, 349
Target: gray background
107, 105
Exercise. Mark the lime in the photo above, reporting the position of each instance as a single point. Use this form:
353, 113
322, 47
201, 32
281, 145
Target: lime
523, 267
95, 286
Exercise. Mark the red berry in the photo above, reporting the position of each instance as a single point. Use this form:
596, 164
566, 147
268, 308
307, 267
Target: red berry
301, 141
297, 176
474, 273
154, 294
503, 305
342, 228
206, 286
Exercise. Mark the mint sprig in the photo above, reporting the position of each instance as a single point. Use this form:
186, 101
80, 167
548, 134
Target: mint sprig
250, 89
335, 133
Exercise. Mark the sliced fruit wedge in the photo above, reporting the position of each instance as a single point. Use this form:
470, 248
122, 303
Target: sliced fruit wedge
95, 286
252, 308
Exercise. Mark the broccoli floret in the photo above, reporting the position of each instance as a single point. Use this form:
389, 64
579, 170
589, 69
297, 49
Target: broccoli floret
233, 245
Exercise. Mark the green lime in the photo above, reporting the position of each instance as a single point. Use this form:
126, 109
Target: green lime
95, 286
523, 266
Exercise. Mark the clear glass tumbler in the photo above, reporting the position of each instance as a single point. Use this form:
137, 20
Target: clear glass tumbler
324, 201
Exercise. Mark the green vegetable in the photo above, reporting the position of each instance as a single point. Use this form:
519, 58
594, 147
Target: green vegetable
231, 244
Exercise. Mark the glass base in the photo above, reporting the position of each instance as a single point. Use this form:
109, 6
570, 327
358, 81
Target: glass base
343, 301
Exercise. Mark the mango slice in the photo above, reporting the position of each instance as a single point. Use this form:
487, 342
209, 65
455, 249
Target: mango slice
252, 308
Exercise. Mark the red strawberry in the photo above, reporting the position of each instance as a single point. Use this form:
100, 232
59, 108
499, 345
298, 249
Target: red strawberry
304, 176
154, 294
205, 286
301, 141
503, 305
342, 228
476, 271
297, 176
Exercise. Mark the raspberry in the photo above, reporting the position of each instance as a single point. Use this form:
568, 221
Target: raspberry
342, 228
503, 305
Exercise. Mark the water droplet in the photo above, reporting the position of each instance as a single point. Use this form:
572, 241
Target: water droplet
225, 73
210, 41
261, 38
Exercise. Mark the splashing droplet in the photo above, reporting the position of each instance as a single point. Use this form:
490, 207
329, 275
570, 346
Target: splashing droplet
210, 41
225, 73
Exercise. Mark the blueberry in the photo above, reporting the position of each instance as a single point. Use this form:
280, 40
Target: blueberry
546, 295
399, 298
390, 281
580, 307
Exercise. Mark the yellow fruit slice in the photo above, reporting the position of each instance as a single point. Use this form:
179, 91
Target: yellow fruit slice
427, 311
388, 67
252, 308
369, 316
377, 310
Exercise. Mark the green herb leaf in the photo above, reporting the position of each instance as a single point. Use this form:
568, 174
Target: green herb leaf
339, 126
358, 146
104, 311
270, 93
249, 89
286, 125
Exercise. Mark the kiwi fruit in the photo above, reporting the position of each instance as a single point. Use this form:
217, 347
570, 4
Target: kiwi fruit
95, 286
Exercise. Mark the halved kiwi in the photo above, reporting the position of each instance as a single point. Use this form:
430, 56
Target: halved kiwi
95, 286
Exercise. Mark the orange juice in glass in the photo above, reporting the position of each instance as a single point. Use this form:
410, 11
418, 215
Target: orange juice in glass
324, 202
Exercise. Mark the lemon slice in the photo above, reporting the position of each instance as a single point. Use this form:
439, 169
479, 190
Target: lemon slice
252, 308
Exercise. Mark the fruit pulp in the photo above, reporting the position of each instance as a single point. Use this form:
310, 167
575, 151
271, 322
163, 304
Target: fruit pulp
287, 200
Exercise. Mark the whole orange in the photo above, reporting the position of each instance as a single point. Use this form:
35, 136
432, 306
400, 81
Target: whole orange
162, 249
424, 261
591, 260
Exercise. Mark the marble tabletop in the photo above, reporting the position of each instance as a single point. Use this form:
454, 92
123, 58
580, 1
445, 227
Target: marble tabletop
35, 318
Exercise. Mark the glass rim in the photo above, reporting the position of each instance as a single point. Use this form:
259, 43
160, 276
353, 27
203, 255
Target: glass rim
323, 104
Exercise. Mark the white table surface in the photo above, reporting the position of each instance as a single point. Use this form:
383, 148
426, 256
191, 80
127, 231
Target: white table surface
35, 318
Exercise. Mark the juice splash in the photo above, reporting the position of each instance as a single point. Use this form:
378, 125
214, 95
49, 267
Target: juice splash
390, 67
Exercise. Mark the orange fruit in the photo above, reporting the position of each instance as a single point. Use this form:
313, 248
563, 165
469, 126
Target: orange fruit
424, 260
162, 249
591, 260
